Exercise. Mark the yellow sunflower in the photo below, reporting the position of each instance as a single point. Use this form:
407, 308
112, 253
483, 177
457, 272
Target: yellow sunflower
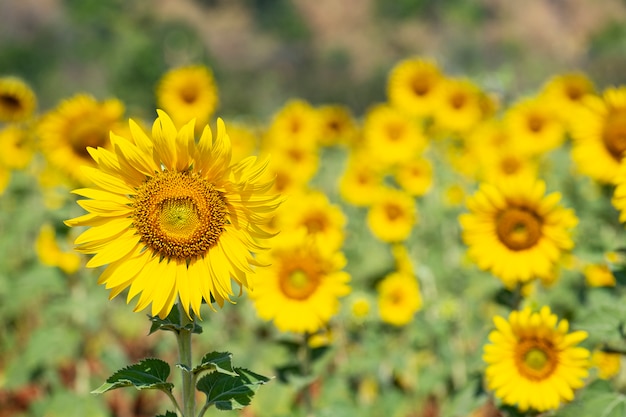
399, 298
599, 275
300, 289
188, 93
5, 178
17, 100
244, 140
534, 126
608, 363
412, 85
565, 94
51, 254
172, 218
599, 135
362, 181
338, 125
516, 232
415, 176
533, 362
458, 107
506, 163
77, 123
392, 217
391, 136
296, 123
16, 147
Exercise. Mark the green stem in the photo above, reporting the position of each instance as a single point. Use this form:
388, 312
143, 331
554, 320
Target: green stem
185, 359
305, 369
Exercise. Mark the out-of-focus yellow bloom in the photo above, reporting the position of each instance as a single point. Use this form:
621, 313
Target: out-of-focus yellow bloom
534, 126
608, 363
338, 126
412, 86
453, 195
244, 140
392, 217
458, 106
297, 124
360, 307
5, 178
362, 182
50, 253
415, 176
565, 93
17, 100
599, 275
399, 298
16, 147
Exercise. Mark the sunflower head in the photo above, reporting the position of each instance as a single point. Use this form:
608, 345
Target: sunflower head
412, 86
399, 298
392, 217
172, 218
533, 362
17, 100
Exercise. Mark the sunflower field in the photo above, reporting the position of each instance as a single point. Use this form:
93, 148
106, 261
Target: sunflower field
332, 208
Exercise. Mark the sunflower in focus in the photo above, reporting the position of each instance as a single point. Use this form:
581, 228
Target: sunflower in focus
534, 126
533, 362
399, 298
17, 147
172, 218
76, 124
458, 106
188, 93
300, 290
412, 86
17, 100
515, 231
565, 94
392, 217
599, 135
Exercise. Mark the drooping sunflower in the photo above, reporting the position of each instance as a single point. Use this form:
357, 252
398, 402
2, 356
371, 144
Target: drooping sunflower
599, 135
516, 232
77, 123
172, 218
300, 290
412, 86
392, 217
188, 93
533, 362
399, 298
17, 100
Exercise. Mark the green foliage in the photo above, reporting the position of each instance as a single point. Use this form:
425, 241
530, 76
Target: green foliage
218, 361
168, 414
230, 392
598, 399
147, 374
172, 323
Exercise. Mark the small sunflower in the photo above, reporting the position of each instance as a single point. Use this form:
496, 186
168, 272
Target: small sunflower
188, 93
17, 100
458, 106
392, 217
534, 126
300, 289
599, 275
412, 85
17, 147
76, 124
362, 182
599, 135
51, 254
516, 232
244, 140
415, 176
607, 363
565, 94
533, 362
338, 125
172, 218
506, 163
399, 298
296, 123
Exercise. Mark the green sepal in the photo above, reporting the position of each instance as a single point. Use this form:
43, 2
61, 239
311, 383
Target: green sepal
228, 392
172, 323
148, 374
217, 361
168, 414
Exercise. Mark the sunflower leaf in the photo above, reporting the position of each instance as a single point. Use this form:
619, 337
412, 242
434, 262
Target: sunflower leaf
217, 361
168, 414
147, 374
172, 323
228, 392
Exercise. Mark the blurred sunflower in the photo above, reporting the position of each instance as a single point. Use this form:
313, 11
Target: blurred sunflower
312, 210
74, 125
188, 93
608, 363
17, 100
338, 125
399, 298
565, 94
599, 275
5, 178
51, 254
390, 136
415, 176
296, 123
534, 126
244, 140
516, 232
362, 181
300, 288
506, 163
458, 107
599, 135
533, 362
17, 147
391, 218
412, 85
165, 206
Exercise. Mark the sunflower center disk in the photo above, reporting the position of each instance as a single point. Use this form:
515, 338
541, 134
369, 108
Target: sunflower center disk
615, 134
86, 134
10, 102
536, 359
179, 215
518, 229
299, 284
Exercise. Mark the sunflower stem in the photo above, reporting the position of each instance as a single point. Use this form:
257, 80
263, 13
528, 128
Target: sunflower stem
305, 370
185, 359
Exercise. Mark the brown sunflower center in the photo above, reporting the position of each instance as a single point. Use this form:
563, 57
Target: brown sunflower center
393, 211
87, 134
315, 223
518, 228
457, 101
574, 92
189, 93
394, 131
535, 359
10, 102
614, 134
535, 123
179, 214
420, 86
299, 281
510, 165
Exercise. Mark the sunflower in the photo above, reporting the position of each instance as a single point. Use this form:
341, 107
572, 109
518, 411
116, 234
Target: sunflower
188, 93
296, 123
362, 181
338, 125
458, 106
399, 298
300, 289
506, 163
172, 218
16, 147
415, 176
516, 232
533, 362
599, 275
76, 124
599, 135
51, 254
565, 94
534, 126
392, 217
607, 363
244, 140
5, 178
412, 85
17, 100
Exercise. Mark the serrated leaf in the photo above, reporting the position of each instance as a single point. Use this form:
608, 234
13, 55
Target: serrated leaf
168, 414
228, 392
218, 361
172, 323
147, 374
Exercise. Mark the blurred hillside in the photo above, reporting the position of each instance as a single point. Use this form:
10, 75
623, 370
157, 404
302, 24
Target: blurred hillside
266, 51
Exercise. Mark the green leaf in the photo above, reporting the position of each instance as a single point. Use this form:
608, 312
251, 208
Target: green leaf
598, 399
168, 414
147, 374
228, 392
172, 323
218, 361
